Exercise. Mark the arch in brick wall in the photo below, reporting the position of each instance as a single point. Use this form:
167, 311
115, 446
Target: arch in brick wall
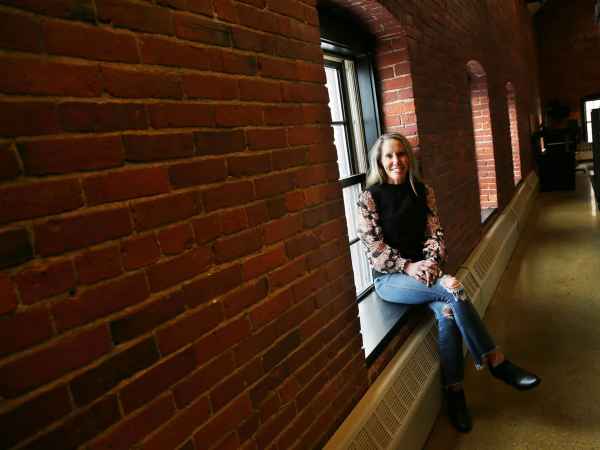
482, 133
391, 63
511, 99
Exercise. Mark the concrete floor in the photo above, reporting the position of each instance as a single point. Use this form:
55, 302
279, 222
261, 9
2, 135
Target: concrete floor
545, 315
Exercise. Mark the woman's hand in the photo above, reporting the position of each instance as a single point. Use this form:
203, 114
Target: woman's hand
425, 271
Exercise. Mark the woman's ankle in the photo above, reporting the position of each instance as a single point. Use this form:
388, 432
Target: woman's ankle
495, 358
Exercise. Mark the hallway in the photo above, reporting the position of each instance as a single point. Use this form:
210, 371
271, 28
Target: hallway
545, 315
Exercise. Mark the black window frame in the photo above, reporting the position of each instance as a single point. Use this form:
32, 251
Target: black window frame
584, 122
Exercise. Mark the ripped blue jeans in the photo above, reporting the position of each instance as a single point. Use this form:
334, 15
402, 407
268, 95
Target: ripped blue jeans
456, 316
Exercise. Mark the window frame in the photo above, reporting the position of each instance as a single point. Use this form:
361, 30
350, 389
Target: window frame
584, 121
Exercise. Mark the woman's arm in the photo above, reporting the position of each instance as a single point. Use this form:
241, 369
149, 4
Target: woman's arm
435, 242
382, 257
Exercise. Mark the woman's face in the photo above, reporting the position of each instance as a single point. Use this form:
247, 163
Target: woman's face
395, 161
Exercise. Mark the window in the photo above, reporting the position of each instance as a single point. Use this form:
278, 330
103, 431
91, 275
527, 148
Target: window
514, 131
588, 106
351, 152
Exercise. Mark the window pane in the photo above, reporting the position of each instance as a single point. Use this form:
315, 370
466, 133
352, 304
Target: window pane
589, 132
335, 98
351, 194
341, 145
363, 277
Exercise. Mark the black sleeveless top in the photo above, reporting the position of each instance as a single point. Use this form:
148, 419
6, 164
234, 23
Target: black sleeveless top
402, 216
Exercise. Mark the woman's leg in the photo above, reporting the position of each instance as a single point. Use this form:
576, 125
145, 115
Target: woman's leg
401, 288
449, 345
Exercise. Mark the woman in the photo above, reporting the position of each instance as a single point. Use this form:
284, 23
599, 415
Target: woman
399, 225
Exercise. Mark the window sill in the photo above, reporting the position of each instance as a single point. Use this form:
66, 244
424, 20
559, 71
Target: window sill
379, 322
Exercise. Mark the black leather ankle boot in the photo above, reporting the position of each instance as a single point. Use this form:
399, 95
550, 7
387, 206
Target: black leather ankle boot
458, 412
515, 376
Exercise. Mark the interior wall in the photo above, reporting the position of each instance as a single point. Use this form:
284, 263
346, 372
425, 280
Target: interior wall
173, 262
569, 49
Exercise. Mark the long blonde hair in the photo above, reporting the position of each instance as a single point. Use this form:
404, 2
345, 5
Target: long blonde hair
376, 173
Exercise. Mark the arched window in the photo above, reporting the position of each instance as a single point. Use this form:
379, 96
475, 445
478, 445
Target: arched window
514, 131
484, 142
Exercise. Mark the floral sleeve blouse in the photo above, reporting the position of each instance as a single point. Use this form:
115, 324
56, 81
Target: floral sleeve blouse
386, 259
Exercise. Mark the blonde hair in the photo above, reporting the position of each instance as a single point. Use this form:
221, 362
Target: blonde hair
376, 173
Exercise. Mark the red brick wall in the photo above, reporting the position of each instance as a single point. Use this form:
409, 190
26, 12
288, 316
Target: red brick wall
173, 261
569, 49
511, 98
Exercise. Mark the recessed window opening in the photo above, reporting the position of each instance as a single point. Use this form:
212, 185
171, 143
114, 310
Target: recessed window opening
484, 144
589, 104
514, 131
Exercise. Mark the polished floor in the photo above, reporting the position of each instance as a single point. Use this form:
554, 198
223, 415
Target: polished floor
545, 314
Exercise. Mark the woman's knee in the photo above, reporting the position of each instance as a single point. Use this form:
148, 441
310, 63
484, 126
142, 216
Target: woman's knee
454, 287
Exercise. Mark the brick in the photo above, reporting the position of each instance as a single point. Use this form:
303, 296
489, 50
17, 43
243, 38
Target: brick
211, 286
176, 239
23, 330
207, 228
27, 118
228, 419
257, 213
10, 166
288, 273
165, 52
284, 159
82, 427
269, 431
283, 115
249, 164
20, 32
8, 297
209, 86
194, 173
226, 195
271, 308
300, 245
233, 220
267, 138
82, 230
125, 185
259, 19
36, 413
271, 185
243, 298
45, 280
34, 369
276, 207
278, 68
155, 380
194, 28
158, 147
26, 201
315, 114
180, 428
181, 114
188, 328
139, 17
239, 64
233, 385
219, 142
15, 247
106, 116
42, 77
242, 244
100, 379
100, 301
134, 84
149, 317
238, 115
66, 155
96, 265
294, 201
180, 268
83, 10
245, 39
225, 10
139, 251
203, 379
289, 8
134, 428
283, 228
84, 41
265, 262
163, 210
